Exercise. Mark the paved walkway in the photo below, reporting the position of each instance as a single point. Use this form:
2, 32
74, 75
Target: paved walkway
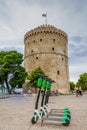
16, 112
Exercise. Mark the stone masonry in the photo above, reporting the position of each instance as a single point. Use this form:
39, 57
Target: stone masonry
47, 47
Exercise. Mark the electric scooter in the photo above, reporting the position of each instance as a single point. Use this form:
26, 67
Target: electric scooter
37, 115
47, 99
44, 109
65, 120
65, 110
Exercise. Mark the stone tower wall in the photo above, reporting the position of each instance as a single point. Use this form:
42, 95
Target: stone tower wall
46, 46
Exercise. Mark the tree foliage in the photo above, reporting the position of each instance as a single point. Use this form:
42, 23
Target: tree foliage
18, 78
72, 85
82, 81
34, 76
11, 71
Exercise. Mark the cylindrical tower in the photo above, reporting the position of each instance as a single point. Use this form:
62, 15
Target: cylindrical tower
46, 46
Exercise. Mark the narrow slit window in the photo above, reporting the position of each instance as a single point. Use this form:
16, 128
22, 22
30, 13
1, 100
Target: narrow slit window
53, 48
62, 59
31, 50
58, 72
54, 40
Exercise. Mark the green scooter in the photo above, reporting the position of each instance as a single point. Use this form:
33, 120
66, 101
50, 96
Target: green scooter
38, 114
65, 120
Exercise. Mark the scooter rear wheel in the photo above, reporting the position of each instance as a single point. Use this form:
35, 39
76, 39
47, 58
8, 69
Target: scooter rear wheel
67, 123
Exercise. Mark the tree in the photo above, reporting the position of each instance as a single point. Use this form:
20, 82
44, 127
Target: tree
2, 74
72, 85
33, 77
1, 77
18, 78
10, 67
82, 81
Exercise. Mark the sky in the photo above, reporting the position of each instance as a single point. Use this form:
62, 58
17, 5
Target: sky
19, 16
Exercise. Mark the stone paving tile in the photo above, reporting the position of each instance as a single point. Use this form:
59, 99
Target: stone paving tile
16, 112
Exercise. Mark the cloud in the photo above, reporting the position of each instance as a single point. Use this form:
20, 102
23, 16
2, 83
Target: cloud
67, 15
21, 50
17, 43
19, 16
77, 46
77, 67
77, 39
77, 56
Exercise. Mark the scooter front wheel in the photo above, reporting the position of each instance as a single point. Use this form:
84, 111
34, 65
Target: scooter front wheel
34, 120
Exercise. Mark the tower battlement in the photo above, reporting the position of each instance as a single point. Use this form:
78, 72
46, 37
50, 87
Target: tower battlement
45, 29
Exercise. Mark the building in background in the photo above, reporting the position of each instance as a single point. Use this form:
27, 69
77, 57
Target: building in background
47, 47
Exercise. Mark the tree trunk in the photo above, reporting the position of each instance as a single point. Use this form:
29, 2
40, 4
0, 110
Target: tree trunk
6, 82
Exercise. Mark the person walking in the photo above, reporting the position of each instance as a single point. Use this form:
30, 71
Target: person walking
76, 91
80, 91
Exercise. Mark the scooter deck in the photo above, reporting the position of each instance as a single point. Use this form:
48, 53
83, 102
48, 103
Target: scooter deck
56, 114
51, 119
57, 110
58, 120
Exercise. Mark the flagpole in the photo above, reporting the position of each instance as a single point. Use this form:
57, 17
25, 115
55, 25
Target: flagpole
46, 19
45, 16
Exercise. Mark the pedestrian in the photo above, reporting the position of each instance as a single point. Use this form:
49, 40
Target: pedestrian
80, 91
76, 91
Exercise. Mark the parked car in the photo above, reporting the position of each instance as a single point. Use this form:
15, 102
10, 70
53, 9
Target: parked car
18, 91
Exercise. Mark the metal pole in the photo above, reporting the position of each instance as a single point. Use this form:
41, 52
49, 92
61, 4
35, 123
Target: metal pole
46, 18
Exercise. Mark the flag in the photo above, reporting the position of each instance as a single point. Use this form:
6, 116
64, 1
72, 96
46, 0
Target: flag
44, 15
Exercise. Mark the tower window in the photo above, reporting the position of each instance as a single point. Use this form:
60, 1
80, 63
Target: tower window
40, 40
28, 43
62, 58
31, 50
33, 41
53, 48
58, 72
36, 57
54, 40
